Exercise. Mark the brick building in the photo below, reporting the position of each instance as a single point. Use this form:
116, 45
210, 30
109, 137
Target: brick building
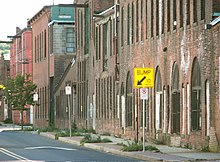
178, 39
21, 63
4, 73
53, 49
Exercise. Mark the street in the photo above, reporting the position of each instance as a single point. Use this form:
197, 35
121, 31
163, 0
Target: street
32, 147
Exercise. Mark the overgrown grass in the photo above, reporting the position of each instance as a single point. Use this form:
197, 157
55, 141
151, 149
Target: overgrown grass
47, 129
89, 139
8, 121
106, 134
138, 147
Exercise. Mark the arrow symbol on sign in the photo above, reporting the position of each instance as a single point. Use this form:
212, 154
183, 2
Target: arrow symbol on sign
140, 81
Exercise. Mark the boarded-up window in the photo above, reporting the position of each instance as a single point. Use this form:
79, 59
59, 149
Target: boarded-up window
196, 116
129, 104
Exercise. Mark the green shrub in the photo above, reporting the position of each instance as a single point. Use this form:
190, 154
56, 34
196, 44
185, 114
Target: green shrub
28, 129
106, 134
151, 148
138, 147
47, 129
91, 138
206, 149
105, 140
85, 130
132, 147
8, 121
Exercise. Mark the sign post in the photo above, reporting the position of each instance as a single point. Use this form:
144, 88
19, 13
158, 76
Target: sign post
143, 79
68, 93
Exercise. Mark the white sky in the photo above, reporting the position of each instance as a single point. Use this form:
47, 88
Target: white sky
14, 13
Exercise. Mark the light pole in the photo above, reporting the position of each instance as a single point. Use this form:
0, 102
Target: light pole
68, 93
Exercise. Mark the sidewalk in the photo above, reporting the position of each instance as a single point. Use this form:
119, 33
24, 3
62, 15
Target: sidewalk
9, 127
166, 153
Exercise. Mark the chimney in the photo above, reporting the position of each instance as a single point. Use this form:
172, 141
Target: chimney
17, 29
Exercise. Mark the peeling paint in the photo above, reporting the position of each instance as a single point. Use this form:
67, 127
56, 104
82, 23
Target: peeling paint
185, 53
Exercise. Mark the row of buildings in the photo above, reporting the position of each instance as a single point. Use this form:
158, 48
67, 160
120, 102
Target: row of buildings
93, 46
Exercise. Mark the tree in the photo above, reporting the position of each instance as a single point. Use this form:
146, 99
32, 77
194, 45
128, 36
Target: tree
19, 93
4, 48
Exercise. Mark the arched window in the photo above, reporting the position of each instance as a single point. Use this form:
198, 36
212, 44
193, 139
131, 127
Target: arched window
175, 100
196, 116
129, 96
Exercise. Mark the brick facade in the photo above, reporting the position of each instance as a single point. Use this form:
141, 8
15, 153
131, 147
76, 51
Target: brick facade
169, 36
4, 73
53, 50
21, 63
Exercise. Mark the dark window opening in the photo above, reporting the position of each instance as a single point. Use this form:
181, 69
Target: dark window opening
132, 24
157, 17
128, 25
174, 15
181, 14
137, 20
188, 12
168, 15
122, 26
194, 11
152, 18
202, 9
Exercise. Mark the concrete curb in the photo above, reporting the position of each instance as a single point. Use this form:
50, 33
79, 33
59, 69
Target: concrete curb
150, 156
49, 135
114, 149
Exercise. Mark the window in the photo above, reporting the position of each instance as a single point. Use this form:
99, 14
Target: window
81, 29
70, 40
129, 103
196, 113
142, 34
146, 19
105, 46
157, 17
132, 24
174, 15
175, 101
128, 25
163, 13
188, 12
96, 42
137, 24
181, 13
86, 33
122, 26
111, 37
194, 11
202, 9
152, 18
168, 15
45, 44
35, 49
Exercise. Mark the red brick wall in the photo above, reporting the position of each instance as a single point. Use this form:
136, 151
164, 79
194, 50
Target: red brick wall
41, 68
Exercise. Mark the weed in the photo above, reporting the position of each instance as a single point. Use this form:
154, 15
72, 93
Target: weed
138, 147
89, 138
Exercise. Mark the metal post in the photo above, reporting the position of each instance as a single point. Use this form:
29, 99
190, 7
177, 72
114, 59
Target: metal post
68, 97
143, 125
68, 93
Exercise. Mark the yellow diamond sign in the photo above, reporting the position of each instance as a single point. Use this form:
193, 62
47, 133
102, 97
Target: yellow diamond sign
143, 77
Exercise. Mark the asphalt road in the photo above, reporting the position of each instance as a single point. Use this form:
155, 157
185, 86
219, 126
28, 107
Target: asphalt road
32, 147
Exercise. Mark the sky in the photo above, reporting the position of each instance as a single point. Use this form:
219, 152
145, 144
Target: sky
15, 13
